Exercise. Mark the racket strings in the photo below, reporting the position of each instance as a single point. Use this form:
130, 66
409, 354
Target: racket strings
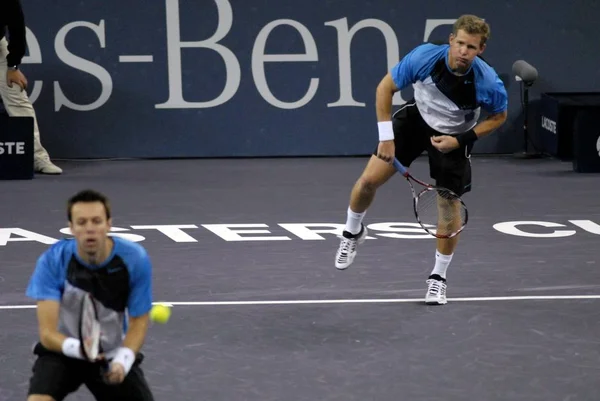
441, 211
90, 329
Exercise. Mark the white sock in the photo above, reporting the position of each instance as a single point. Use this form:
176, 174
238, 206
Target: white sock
354, 221
441, 264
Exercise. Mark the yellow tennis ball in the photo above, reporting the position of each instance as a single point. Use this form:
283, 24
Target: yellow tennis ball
160, 313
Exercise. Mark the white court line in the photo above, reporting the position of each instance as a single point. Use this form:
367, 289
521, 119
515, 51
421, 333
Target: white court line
350, 301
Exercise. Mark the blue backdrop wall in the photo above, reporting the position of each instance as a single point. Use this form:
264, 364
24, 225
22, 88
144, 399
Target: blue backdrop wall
213, 78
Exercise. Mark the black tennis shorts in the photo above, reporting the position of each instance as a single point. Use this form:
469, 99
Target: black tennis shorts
412, 135
58, 376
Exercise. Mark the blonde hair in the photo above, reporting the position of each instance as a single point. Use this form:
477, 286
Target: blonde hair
473, 25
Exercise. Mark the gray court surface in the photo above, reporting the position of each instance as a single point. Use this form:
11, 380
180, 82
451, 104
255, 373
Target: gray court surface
244, 251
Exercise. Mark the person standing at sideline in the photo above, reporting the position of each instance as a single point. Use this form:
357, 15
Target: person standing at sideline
13, 83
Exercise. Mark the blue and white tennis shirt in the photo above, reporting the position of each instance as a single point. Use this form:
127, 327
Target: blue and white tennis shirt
122, 285
449, 103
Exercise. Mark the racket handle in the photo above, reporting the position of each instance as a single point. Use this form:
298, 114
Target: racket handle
401, 169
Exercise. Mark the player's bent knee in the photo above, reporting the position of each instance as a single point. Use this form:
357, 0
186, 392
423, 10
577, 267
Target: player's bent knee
375, 176
39, 397
377, 172
367, 184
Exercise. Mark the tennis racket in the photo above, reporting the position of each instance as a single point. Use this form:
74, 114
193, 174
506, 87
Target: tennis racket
89, 332
440, 212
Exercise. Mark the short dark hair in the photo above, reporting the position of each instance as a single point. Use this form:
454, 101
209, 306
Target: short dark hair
86, 196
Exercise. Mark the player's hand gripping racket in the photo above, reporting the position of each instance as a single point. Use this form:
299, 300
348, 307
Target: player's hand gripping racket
89, 332
440, 212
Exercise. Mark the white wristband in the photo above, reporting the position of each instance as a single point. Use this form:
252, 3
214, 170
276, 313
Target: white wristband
386, 130
71, 347
126, 357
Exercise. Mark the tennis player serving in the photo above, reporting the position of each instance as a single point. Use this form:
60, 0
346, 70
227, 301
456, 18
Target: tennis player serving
452, 85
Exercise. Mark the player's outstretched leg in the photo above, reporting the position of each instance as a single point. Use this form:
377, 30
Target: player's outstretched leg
376, 173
